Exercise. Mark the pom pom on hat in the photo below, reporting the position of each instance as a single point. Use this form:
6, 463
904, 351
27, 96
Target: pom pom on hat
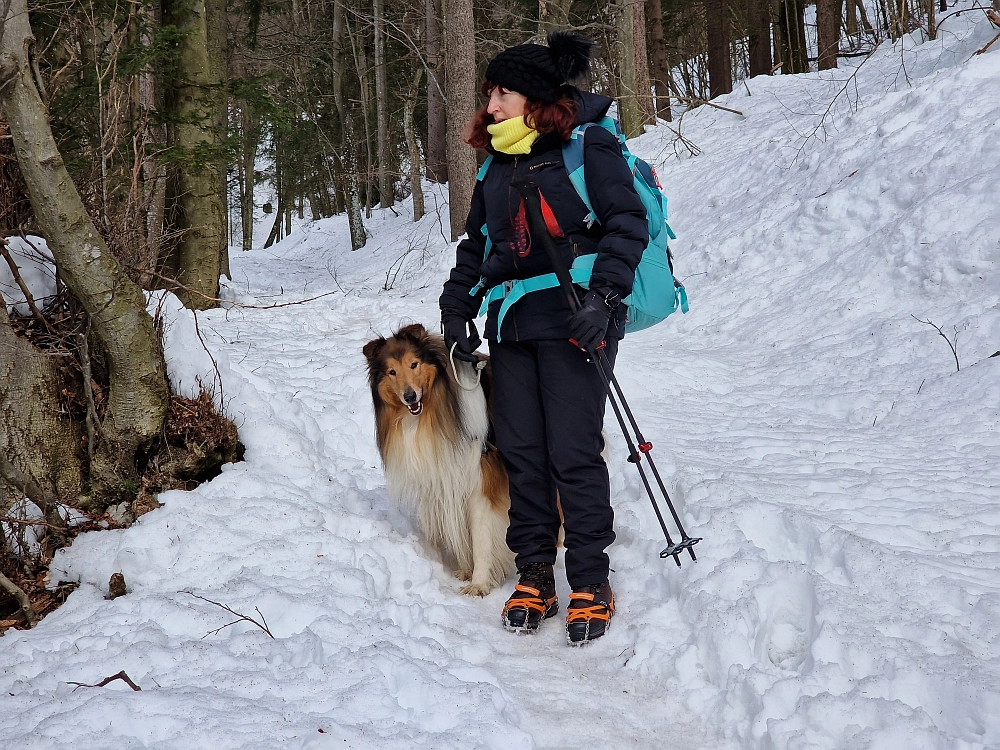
539, 72
571, 53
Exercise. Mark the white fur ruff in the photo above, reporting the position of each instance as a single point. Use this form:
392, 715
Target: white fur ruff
443, 482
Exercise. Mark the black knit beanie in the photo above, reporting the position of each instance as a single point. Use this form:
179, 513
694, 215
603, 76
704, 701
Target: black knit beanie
539, 72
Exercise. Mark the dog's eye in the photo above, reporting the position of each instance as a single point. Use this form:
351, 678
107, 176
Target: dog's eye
413, 365
392, 372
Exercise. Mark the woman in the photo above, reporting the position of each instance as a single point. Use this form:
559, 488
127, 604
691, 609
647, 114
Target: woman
548, 398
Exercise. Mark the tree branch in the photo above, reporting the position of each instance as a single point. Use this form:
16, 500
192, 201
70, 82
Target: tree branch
954, 351
241, 617
22, 599
120, 676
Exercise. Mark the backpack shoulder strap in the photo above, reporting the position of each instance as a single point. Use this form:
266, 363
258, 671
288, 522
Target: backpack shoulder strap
573, 158
485, 168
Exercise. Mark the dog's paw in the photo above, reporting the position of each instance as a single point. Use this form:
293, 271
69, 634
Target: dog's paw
476, 589
463, 575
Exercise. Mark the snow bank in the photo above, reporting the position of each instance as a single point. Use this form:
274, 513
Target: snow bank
842, 473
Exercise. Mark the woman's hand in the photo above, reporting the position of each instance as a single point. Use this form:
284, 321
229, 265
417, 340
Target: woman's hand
589, 323
456, 331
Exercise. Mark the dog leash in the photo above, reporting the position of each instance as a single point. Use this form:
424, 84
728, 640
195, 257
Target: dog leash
479, 367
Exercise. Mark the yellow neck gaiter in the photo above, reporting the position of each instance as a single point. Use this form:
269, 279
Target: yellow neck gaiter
512, 136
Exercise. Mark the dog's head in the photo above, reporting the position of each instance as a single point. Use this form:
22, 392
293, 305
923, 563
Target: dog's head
404, 368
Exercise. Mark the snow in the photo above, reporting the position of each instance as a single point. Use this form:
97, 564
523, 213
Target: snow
34, 263
843, 474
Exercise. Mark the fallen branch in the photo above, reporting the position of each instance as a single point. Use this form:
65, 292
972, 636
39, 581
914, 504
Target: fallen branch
952, 346
241, 617
173, 284
987, 46
22, 599
120, 676
46, 502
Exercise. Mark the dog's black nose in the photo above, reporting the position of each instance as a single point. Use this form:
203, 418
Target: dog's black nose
410, 396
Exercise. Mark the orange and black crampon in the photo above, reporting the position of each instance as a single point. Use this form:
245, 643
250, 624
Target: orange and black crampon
589, 613
534, 599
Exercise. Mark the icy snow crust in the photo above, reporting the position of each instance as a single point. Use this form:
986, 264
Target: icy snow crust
843, 474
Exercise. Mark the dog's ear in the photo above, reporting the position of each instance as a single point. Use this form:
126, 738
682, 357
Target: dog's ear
372, 349
415, 332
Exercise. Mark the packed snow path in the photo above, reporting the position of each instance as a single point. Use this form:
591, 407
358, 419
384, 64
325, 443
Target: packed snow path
844, 477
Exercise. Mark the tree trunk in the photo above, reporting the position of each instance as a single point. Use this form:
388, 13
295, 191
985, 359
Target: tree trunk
436, 143
409, 104
138, 396
644, 85
866, 24
629, 109
348, 144
930, 6
793, 36
385, 193
828, 32
851, 27
36, 436
720, 69
553, 15
461, 76
658, 48
759, 38
250, 132
197, 108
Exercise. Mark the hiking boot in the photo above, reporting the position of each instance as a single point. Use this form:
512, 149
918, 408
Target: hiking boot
589, 613
534, 599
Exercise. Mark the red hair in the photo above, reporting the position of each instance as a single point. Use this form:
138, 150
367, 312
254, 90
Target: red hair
545, 117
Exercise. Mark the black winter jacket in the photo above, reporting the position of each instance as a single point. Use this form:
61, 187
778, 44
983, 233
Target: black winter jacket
619, 239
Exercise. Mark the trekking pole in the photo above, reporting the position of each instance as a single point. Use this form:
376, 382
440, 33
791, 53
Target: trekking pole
539, 229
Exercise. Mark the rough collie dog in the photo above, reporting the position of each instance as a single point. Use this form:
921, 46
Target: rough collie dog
432, 435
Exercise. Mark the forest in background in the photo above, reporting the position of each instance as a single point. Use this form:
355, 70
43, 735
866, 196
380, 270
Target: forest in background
132, 132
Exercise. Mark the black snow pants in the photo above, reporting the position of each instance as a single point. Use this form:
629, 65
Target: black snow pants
548, 411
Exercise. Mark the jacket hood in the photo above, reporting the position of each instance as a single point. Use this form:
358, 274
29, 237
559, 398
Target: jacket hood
590, 107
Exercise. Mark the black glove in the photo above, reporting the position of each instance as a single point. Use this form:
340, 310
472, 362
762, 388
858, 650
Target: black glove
456, 331
589, 323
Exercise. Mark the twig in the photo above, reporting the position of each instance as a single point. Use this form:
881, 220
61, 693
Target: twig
5, 252
30, 522
22, 599
174, 284
88, 388
242, 618
215, 365
988, 45
120, 676
952, 346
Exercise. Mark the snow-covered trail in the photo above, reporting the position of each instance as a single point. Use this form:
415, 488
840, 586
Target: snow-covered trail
843, 475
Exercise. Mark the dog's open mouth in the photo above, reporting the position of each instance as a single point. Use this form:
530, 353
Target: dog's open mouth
416, 408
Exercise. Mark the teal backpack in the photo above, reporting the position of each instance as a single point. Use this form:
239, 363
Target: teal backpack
655, 291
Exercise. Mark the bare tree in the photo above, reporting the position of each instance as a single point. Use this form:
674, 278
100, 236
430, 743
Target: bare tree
436, 143
461, 76
759, 37
409, 132
138, 395
348, 144
197, 116
658, 51
385, 192
828, 32
720, 69
629, 108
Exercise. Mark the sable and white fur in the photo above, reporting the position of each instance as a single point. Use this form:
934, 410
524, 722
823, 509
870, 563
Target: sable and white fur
432, 435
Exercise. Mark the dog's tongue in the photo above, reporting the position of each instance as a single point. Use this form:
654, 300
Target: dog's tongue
416, 408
